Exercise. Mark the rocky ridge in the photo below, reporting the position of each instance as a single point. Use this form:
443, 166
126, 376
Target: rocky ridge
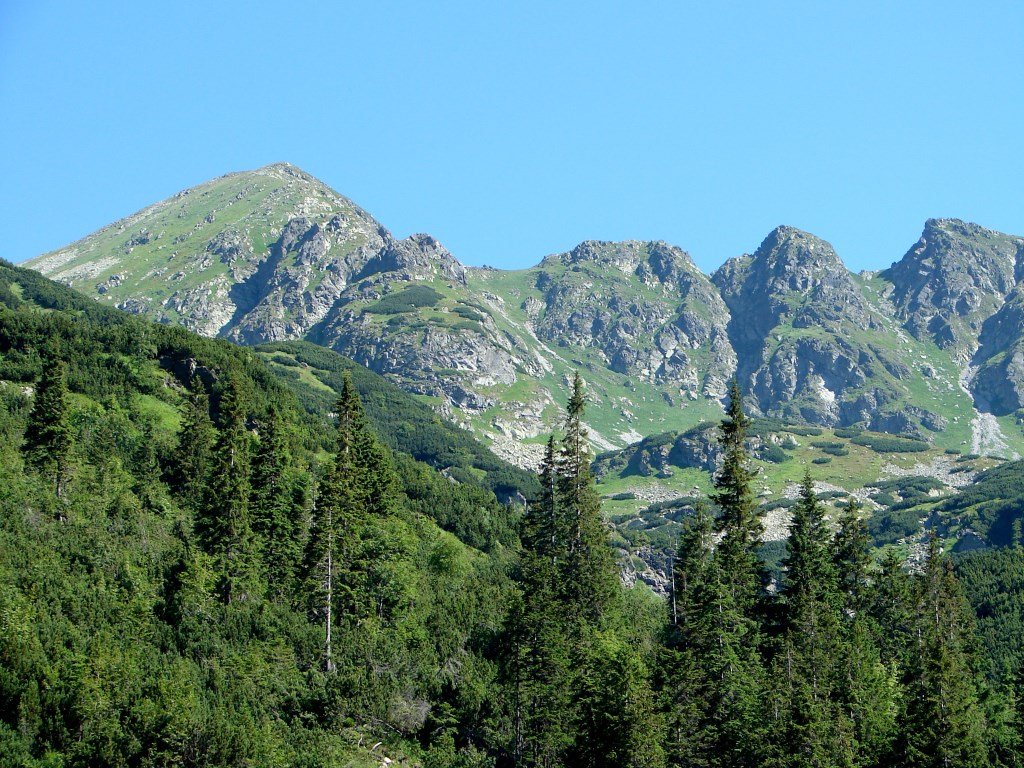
932, 347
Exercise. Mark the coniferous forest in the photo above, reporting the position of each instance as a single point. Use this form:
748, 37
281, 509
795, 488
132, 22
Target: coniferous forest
198, 569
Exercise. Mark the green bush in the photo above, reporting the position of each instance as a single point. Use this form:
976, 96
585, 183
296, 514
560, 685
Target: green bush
468, 314
407, 300
880, 443
773, 453
832, 448
890, 527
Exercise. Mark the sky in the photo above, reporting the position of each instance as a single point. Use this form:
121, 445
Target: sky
511, 130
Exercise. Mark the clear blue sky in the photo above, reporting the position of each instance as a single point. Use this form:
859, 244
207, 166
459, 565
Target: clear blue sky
513, 130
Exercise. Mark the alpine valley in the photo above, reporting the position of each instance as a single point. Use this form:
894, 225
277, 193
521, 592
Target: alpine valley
294, 492
930, 350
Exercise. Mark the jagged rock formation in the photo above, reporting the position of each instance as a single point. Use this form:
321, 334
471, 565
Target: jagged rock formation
806, 337
645, 307
953, 279
275, 254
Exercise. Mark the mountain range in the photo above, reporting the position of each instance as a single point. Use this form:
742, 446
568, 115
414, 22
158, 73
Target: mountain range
931, 348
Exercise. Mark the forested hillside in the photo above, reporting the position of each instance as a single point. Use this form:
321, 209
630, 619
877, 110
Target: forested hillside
169, 561
208, 561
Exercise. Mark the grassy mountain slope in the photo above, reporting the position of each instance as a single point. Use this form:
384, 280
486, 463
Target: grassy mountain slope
404, 422
649, 489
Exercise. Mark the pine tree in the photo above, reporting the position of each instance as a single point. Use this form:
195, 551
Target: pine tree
353, 567
687, 674
735, 716
740, 523
811, 582
815, 730
943, 725
190, 464
538, 667
278, 501
48, 441
620, 727
589, 575
867, 689
852, 557
544, 531
891, 609
320, 566
223, 522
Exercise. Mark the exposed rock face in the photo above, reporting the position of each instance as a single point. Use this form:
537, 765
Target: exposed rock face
803, 329
645, 306
954, 278
998, 384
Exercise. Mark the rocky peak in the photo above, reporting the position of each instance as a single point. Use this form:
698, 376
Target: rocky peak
794, 275
654, 262
417, 257
955, 277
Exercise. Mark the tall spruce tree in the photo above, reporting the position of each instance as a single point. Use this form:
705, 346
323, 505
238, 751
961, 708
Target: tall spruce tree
852, 557
943, 724
538, 664
867, 689
223, 522
687, 672
814, 729
48, 440
740, 523
320, 571
736, 715
891, 609
278, 502
544, 531
190, 463
589, 575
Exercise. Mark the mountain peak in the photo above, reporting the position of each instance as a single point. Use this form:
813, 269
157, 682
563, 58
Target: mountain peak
796, 246
953, 278
651, 260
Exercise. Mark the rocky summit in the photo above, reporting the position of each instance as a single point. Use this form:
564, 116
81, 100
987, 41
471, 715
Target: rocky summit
931, 348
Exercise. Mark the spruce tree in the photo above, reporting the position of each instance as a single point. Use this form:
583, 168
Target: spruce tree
740, 524
686, 670
544, 531
190, 463
810, 582
852, 557
223, 522
735, 717
320, 566
589, 575
943, 724
867, 690
890, 607
538, 666
48, 440
278, 500
814, 729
